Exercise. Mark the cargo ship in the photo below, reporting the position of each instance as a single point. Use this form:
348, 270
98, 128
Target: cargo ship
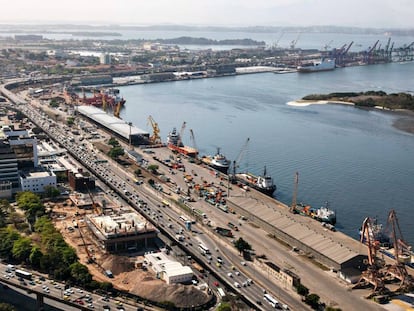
323, 214
105, 98
324, 64
174, 143
263, 183
218, 162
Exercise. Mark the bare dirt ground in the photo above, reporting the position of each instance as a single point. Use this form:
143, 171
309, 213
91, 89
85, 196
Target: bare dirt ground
126, 276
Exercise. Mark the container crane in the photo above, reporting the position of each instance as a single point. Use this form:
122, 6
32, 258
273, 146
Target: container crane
155, 137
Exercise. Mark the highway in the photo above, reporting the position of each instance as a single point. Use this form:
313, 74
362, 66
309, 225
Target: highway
146, 200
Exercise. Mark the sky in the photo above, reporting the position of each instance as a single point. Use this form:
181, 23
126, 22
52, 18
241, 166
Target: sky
355, 13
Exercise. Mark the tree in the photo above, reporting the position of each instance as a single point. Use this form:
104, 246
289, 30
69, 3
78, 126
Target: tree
53, 103
312, 300
302, 290
242, 245
138, 172
7, 238
51, 192
22, 249
113, 142
115, 152
31, 203
80, 273
35, 256
153, 168
224, 306
6, 307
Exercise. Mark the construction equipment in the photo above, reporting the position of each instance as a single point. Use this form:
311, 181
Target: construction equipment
155, 137
104, 103
402, 254
373, 273
95, 206
295, 192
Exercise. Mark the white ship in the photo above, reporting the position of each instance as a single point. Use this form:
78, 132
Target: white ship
322, 65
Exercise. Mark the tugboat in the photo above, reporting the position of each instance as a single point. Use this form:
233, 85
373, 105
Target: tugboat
263, 183
218, 162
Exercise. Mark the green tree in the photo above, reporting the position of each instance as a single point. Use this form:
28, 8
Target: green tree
51, 192
242, 245
70, 121
53, 103
312, 300
138, 172
7, 238
6, 307
31, 204
302, 290
22, 248
113, 142
35, 256
80, 273
153, 168
115, 152
224, 306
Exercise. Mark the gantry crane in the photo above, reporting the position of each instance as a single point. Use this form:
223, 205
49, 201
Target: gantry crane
373, 273
155, 137
402, 252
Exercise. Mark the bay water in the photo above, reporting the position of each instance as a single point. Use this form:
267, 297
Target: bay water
353, 158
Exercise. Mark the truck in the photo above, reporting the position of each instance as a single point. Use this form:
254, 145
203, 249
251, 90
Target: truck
23, 274
198, 267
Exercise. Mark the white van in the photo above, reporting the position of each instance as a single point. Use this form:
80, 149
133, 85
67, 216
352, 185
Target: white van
237, 285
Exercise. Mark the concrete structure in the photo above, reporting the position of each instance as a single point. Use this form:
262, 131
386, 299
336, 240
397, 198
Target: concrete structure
282, 275
37, 181
117, 126
78, 181
122, 232
105, 59
167, 269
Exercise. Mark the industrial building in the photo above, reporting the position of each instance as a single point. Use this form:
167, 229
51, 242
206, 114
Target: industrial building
167, 269
119, 127
125, 232
37, 181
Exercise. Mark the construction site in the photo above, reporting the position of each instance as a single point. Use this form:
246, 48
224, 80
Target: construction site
112, 240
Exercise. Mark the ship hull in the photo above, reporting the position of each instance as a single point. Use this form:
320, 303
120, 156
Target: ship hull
188, 151
265, 190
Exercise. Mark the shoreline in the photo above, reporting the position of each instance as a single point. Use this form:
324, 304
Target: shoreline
403, 122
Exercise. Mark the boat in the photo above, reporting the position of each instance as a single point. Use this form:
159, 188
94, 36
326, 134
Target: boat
263, 183
108, 97
323, 214
324, 64
174, 143
377, 233
218, 162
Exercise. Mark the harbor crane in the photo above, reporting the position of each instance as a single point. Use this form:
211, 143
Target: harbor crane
155, 137
294, 42
295, 193
372, 275
192, 139
402, 254
180, 138
236, 162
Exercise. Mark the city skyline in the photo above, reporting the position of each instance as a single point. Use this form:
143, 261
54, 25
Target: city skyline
369, 13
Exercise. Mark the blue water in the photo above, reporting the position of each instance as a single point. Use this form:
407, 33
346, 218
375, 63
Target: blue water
351, 157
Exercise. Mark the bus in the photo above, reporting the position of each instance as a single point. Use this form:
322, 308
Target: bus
23, 274
272, 301
203, 249
199, 213
221, 292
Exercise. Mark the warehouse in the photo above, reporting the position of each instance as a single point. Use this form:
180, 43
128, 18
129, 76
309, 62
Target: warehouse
119, 127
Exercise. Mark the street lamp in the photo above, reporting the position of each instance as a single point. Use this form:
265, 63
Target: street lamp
130, 128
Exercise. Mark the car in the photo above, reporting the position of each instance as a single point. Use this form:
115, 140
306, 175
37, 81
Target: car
258, 302
243, 263
237, 273
229, 275
215, 283
237, 285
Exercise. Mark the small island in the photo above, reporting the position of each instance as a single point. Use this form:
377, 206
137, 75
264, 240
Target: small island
401, 103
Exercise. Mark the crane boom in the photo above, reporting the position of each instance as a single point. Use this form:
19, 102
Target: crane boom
155, 137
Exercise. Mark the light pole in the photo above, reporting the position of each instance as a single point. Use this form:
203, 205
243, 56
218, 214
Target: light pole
130, 128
